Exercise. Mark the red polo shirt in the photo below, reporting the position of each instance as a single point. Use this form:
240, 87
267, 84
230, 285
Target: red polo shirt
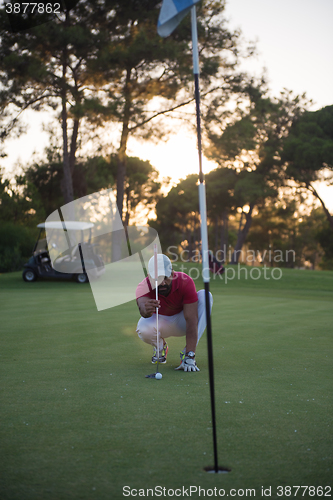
182, 292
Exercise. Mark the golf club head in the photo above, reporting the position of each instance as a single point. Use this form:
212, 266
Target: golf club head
152, 375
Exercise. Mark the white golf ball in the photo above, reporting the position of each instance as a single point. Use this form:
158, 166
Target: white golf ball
158, 376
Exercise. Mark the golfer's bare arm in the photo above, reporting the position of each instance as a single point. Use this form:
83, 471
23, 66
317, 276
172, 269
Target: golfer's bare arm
147, 306
191, 317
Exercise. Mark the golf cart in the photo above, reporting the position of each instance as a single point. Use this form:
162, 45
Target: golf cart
60, 256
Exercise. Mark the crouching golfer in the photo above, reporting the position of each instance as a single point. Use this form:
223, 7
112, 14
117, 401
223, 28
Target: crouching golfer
181, 312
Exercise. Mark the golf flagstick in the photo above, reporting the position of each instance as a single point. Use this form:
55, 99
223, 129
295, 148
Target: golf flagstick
203, 228
171, 13
204, 238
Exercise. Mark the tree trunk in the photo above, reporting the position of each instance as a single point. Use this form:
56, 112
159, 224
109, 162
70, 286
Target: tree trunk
121, 164
189, 243
67, 183
224, 237
128, 208
328, 215
216, 233
73, 145
121, 167
121, 173
241, 237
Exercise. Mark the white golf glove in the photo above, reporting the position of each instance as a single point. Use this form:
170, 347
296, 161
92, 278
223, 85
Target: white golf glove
188, 363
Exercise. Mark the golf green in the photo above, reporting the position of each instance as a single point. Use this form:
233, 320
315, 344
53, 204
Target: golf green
79, 420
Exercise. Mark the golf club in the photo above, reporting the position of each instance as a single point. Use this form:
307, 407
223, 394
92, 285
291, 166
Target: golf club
154, 375
156, 297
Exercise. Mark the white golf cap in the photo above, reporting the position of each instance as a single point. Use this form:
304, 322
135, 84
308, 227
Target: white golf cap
164, 266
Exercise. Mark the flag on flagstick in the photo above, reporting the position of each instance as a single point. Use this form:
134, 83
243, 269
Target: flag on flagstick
171, 14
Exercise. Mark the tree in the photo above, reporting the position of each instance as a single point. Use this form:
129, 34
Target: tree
251, 144
16, 204
272, 239
308, 151
17, 225
42, 181
142, 187
325, 239
220, 204
309, 247
286, 234
104, 61
16, 245
50, 66
177, 216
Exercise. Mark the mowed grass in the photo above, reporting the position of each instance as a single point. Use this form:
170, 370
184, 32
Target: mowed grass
79, 420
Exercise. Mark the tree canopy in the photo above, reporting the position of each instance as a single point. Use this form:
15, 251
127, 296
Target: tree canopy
308, 151
100, 62
250, 142
41, 182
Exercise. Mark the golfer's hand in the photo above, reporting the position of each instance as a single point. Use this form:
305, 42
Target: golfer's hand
188, 365
149, 307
